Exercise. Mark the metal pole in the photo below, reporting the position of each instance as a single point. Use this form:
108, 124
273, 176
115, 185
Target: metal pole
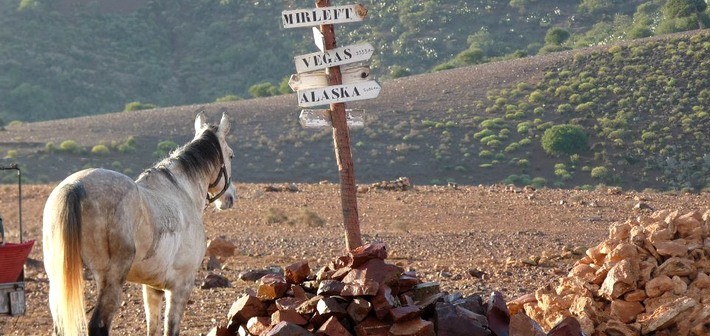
341, 142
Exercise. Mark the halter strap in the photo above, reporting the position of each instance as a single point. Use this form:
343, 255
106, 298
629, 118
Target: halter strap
227, 180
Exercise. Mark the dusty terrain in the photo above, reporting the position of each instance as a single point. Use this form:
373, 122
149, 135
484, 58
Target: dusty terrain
443, 233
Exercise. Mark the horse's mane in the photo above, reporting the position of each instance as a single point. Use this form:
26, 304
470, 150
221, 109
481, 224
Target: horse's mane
198, 157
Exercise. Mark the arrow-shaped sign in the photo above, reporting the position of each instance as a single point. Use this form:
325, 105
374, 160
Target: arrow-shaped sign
321, 16
329, 58
319, 79
338, 94
321, 118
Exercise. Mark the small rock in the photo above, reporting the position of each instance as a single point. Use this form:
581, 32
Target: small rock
215, 281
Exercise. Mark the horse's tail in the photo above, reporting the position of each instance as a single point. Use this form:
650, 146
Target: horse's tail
62, 258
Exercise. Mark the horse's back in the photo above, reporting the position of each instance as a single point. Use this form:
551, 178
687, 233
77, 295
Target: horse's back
110, 204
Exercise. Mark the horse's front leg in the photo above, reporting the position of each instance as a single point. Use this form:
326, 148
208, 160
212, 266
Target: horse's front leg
153, 302
176, 299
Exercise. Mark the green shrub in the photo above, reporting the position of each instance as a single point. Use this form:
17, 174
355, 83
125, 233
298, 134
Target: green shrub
164, 148
564, 139
136, 106
227, 98
600, 173
100, 150
11, 154
70, 146
50, 147
485, 154
538, 182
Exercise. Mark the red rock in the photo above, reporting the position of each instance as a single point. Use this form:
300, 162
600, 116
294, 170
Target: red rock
330, 287
425, 290
457, 321
298, 292
523, 325
625, 311
297, 272
621, 279
383, 302
371, 326
362, 254
497, 314
287, 329
243, 309
358, 309
400, 314
272, 287
665, 314
364, 287
221, 248
407, 282
288, 302
332, 327
617, 328
376, 270
569, 326
414, 327
289, 315
329, 306
673, 248
309, 306
215, 281
258, 324
676, 266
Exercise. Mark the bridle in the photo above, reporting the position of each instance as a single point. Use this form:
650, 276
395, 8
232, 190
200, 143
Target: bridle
227, 180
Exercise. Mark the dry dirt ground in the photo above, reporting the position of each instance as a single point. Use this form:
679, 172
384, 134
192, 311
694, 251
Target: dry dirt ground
441, 232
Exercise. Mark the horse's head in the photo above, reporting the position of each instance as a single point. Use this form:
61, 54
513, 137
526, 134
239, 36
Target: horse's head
221, 178
226, 201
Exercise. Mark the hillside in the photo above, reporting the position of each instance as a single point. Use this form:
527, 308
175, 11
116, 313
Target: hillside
643, 106
67, 58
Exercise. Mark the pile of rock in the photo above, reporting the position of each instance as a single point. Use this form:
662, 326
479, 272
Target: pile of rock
400, 184
651, 276
360, 294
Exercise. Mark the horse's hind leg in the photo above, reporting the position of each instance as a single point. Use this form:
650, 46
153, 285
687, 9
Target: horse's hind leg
153, 302
176, 299
108, 302
110, 275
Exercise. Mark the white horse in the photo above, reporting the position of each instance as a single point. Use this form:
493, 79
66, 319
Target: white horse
149, 231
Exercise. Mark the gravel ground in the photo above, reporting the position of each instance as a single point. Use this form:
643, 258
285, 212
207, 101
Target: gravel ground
470, 239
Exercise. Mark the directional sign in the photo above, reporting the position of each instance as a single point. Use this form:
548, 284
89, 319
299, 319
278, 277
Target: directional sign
318, 39
333, 57
321, 118
321, 16
338, 94
316, 79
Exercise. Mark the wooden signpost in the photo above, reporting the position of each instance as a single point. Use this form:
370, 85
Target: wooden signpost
334, 87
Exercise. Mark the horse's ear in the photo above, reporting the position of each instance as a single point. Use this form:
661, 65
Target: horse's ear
200, 122
224, 124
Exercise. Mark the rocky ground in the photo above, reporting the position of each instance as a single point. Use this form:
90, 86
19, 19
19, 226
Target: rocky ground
469, 239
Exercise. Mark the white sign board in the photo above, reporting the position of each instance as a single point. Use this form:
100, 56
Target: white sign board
338, 94
319, 39
321, 16
311, 80
321, 118
333, 57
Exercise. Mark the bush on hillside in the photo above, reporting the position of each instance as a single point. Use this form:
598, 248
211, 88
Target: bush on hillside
136, 106
70, 146
564, 139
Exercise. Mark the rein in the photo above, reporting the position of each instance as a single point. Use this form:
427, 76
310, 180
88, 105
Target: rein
227, 180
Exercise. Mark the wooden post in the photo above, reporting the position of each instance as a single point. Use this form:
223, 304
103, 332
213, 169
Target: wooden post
341, 142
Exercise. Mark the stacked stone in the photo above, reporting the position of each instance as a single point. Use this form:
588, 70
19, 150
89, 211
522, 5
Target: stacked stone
650, 277
400, 184
360, 294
